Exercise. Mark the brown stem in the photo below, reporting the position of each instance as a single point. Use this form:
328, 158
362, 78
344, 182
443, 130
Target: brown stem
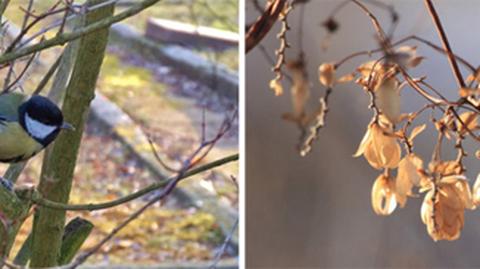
257, 31
446, 44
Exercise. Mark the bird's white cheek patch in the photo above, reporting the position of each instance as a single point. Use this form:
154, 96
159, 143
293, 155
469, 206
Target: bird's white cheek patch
38, 129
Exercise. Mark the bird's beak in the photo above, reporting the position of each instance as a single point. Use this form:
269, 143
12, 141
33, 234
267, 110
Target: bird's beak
67, 126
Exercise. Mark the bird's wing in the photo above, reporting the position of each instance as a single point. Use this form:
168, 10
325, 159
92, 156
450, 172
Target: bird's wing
9, 104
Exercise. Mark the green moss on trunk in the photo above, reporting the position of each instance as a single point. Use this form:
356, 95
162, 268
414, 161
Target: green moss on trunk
59, 163
76, 232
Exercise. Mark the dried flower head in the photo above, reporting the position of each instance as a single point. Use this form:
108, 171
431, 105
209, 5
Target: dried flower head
476, 191
373, 73
383, 195
474, 78
387, 95
300, 88
443, 208
326, 74
379, 148
276, 86
469, 121
445, 168
467, 91
406, 56
408, 175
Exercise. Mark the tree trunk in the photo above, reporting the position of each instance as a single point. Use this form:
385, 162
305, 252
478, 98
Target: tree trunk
59, 163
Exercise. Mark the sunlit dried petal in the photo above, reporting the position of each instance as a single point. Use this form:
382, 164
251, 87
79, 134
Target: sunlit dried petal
426, 211
473, 77
465, 92
383, 198
406, 56
415, 61
388, 99
452, 179
416, 131
410, 50
387, 148
464, 192
371, 70
326, 74
443, 212
469, 120
346, 78
476, 191
379, 149
445, 168
408, 176
276, 86
366, 141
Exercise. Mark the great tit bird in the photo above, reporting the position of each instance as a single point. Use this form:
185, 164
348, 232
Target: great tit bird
27, 125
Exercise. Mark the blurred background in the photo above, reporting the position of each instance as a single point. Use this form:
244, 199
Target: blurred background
315, 211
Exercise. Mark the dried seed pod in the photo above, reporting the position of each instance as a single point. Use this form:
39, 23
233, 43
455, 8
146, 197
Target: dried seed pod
300, 88
408, 175
379, 149
326, 74
476, 191
443, 210
469, 121
276, 86
388, 99
383, 198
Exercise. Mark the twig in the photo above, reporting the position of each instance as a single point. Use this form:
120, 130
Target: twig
37, 19
60, 21
48, 75
411, 37
224, 246
257, 31
24, 70
66, 37
281, 51
12, 66
318, 125
38, 200
158, 158
446, 44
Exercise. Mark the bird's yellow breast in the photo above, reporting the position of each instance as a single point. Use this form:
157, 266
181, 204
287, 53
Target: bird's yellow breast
15, 143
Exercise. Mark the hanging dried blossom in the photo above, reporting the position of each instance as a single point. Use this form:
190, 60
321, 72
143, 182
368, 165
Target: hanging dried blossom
383, 196
387, 95
380, 149
408, 175
469, 121
326, 74
443, 208
276, 86
300, 89
476, 191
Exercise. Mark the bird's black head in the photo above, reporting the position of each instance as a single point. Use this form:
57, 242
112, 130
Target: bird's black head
41, 119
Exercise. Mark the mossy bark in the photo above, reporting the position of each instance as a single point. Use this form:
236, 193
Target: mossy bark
59, 163
12, 213
76, 232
